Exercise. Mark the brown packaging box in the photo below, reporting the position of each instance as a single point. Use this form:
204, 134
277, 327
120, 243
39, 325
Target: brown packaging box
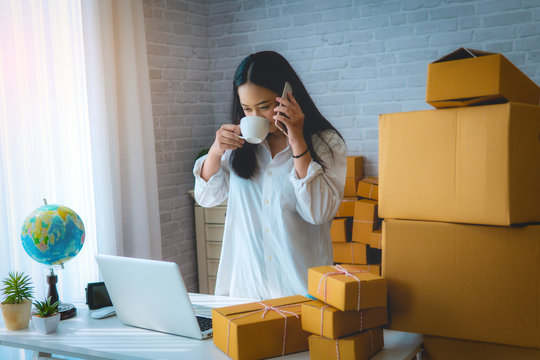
346, 208
359, 346
365, 220
476, 165
350, 253
330, 285
249, 332
340, 230
440, 348
327, 321
351, 185
355, 167
354, 173
467, 77
468, 282
368, 188
375, 239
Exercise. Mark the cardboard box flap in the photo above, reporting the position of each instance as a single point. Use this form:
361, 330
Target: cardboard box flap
462, 53
254, 306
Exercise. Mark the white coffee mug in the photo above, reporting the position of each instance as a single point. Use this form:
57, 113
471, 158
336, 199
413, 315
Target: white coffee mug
254, 129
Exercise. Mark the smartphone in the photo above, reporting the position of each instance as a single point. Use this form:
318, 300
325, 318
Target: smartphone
286, 89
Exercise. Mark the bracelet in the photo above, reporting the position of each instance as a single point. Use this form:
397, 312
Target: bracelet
302, 154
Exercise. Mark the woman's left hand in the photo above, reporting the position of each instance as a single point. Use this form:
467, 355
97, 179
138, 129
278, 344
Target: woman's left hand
293, 119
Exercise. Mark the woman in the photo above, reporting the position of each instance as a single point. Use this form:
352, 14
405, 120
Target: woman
282, 194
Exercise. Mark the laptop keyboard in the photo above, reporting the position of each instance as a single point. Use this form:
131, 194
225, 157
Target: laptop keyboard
204, 323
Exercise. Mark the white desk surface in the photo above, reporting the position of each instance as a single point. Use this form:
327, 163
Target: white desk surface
88, 338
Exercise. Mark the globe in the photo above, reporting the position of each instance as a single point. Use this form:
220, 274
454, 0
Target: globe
52, 234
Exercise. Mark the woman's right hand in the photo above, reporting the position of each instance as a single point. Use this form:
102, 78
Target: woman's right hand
226, 139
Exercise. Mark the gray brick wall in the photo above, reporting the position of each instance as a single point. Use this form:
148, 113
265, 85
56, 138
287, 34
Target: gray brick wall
357, 58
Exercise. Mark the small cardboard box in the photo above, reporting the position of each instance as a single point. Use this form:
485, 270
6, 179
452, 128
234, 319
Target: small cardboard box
355, 167
346, 208
468, 281
375, 239
251, 331
351, 185
476, 165
359, 346
324, 320
441, 348
350, 253
368, 188
341, 229
467, 77
365, 220
330, 285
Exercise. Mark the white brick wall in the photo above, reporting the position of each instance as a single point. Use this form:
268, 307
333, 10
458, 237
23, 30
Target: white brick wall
179, 63
358, 58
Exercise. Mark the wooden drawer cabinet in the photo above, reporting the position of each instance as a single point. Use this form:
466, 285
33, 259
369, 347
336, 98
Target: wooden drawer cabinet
209, 225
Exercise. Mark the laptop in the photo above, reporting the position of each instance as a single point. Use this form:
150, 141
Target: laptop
151, 294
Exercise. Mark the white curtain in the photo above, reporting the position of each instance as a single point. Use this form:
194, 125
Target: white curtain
76, 128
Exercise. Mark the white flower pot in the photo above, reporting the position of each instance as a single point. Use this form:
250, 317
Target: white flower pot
46, 325
16, 316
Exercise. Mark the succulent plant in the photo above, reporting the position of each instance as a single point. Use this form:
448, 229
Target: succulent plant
17, 287
45, 308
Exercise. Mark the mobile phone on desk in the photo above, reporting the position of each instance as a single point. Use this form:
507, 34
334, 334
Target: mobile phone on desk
286, 89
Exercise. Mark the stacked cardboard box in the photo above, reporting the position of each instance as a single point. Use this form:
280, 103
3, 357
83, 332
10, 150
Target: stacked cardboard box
260, 329
346, 321
454, 182
356, 228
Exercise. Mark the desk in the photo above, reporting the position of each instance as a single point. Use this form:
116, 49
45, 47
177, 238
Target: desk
88, 338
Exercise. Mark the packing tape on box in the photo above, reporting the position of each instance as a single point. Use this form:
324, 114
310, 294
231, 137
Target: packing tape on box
265, 309
341, 271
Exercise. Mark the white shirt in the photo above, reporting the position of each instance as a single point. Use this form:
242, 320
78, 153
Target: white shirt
277, 226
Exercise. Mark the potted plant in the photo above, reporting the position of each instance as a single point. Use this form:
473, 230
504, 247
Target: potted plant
46, 316
17, 304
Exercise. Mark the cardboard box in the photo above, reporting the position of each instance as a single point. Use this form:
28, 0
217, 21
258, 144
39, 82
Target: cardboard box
341, 229
368, 188
324, 320
330, 285
350, 253
372, 268
440, 348
375, 239
355, 167
464, 281
479, 165
346, 208
359, 346
253, 333
351, 185
467, 77
365, 220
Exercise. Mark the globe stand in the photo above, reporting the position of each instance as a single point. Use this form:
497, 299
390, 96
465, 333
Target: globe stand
66, 310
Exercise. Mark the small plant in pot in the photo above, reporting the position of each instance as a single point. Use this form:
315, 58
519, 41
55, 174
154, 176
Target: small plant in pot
16, 305
46, 316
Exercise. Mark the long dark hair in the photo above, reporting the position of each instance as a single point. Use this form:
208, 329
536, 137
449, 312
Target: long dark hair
271, 70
